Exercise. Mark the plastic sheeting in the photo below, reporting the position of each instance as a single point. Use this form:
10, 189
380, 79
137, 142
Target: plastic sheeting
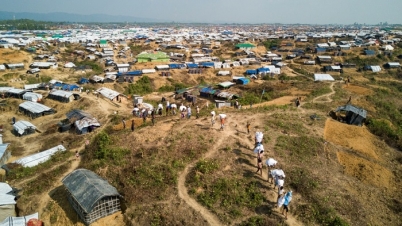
259, 149
21, 126
259, 136
271, 162
19, 221
36, 159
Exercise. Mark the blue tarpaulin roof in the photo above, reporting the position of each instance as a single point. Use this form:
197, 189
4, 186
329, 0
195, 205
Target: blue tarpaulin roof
207, 64
83, 81
242, 81
262, 70
176, 66
251, 72
208, 90
192, 65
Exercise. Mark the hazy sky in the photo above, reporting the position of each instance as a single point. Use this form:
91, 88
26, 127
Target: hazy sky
239, 11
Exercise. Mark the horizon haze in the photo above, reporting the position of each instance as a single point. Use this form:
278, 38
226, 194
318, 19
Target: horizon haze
222, 11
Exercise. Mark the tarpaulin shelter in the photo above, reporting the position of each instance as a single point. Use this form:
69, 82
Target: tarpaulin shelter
83, 122
35, 110
353, 114
61, 95
34, 97
37, 158
91, 196
23, 128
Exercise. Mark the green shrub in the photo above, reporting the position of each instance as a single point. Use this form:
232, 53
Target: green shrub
140, 87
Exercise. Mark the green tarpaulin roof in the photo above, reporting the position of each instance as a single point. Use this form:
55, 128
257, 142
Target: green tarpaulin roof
245, 45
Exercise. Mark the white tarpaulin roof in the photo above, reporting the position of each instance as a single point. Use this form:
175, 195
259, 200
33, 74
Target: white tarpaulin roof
21, 126
159, 67
3, 148
375, 68
61, 93
5, 89
69, 65
5, 188
7, 200
323, 77
86, 122
108, 93
32, 96
34, 107
35, 159
19, 221
31, 86
15, 91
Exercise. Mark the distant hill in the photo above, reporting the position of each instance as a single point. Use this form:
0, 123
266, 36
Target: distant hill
71, 17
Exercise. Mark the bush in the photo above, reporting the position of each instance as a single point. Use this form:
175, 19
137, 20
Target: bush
140, 87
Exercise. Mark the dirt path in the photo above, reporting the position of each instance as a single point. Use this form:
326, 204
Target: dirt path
327, 96
183, 192
271, 193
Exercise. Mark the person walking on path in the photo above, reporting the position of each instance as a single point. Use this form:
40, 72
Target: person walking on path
153, 117
167, 107
259, 162
286, 202
124, 123
213, 118
197, 112
222, 118
281, 192
77, 155
188, 112
144, 116
349, 100
132, 125
248, 127
297, 102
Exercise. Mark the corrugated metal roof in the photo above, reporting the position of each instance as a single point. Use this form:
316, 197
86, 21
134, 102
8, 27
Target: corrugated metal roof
19, 221
87, 188
34, 107
35, 159
323, 77
21, 126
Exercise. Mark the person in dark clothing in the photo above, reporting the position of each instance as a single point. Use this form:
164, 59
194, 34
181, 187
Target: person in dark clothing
350, 100
132, 126
153, 117
259, 162
297, 102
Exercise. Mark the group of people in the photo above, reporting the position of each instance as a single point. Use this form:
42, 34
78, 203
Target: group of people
276, 176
